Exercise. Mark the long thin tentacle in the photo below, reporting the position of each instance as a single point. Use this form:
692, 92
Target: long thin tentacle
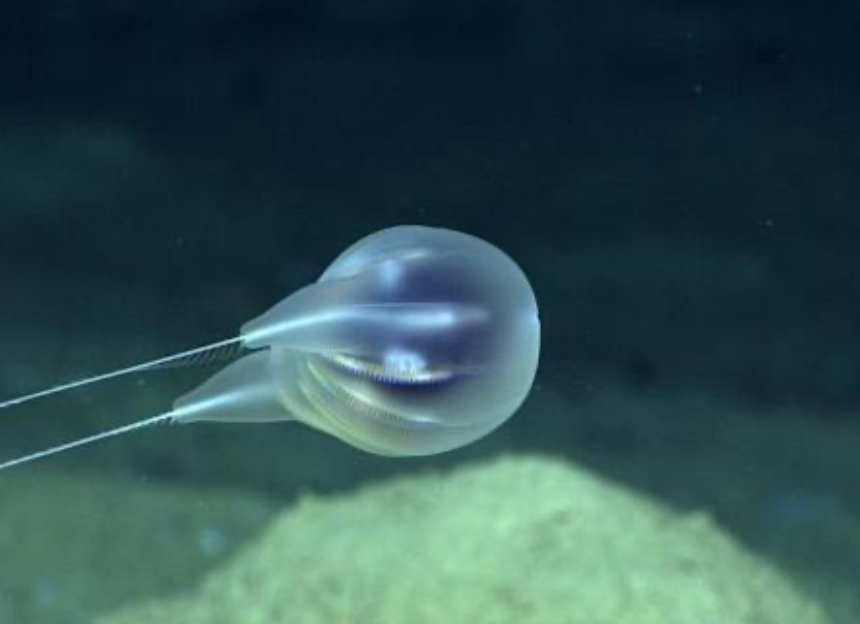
202, 354
165, 418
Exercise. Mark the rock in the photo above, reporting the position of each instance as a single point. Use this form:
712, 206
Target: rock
522, 540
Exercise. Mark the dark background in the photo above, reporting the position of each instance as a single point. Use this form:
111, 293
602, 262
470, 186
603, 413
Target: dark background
678, 180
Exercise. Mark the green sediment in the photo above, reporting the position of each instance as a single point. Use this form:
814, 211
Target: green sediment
779, 478
521, 540
74, 548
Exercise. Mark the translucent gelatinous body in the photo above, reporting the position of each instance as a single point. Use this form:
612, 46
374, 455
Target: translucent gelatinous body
414, 341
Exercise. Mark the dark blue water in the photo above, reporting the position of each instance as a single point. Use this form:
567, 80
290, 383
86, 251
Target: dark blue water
678, 181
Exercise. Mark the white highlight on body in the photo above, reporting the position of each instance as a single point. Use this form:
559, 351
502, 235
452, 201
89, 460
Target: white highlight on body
405, 362
417, 316
391, 273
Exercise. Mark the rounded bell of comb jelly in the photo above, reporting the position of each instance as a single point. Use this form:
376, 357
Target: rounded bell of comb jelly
414, 341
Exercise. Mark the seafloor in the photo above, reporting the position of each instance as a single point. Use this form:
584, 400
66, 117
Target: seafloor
709, 529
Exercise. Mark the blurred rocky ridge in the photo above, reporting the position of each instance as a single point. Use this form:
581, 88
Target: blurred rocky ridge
223, 556
522, 540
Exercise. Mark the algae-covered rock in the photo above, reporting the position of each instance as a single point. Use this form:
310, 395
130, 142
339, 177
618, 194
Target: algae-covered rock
523, 541
72, 548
